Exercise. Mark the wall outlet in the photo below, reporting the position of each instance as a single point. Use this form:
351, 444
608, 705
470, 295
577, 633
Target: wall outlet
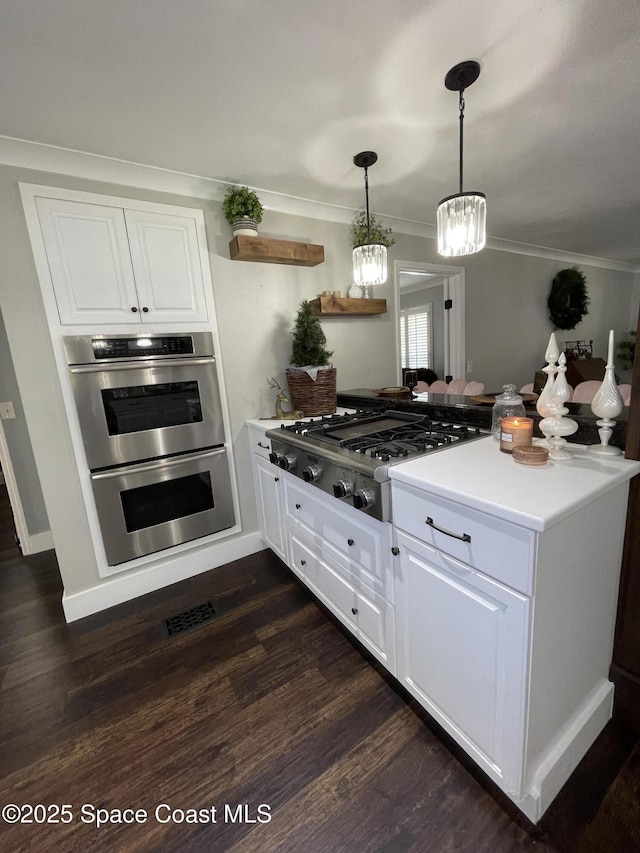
469, 366
7, 411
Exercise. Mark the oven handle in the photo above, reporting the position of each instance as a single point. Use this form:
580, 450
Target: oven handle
106, 367
157, 464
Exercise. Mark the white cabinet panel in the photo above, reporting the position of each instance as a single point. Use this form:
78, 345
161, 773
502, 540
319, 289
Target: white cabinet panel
497, 548
165, 255
88, 256
112, 265
368, 616
268, 486
462, 651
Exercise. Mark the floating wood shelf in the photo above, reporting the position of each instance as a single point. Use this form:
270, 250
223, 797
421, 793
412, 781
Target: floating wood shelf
337, 305
266, 251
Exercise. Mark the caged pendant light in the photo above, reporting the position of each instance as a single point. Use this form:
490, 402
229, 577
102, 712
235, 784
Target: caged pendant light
462, 218
369, 260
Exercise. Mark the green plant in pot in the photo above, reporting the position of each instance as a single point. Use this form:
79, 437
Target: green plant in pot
376, 234
242, 210
311, 378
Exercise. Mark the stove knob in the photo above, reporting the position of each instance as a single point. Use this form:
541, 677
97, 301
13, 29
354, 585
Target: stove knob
363, 499
311, 474
343, 489
275, 457
287, 461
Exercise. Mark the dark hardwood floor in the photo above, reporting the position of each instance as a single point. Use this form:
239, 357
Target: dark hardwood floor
265, 711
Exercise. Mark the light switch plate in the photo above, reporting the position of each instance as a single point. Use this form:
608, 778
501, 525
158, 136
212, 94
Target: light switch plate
7, 411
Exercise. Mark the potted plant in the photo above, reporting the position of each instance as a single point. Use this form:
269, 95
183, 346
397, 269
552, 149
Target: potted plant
242, 209
377, 234
311, 378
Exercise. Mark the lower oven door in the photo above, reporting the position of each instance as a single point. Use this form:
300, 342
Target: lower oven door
154, 505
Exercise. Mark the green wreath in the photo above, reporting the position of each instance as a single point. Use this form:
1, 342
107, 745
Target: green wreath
568, 298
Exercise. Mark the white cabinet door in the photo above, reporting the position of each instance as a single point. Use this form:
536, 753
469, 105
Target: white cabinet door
88, 255
269, 505
110, 265
463, 644
166, 263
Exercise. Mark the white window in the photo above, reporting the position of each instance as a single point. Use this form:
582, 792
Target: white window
416, 336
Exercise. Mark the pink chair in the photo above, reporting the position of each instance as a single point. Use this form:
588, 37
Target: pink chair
625, 393
473, 388
420, 387
438, 387
527, 389
584, 392
457, 386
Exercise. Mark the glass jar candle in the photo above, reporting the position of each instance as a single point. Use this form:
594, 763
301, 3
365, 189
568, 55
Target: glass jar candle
515, 432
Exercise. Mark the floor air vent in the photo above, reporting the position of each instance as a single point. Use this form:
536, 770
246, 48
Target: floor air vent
188, 619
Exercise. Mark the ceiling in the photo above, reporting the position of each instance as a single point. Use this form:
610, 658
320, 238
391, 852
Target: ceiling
280, 94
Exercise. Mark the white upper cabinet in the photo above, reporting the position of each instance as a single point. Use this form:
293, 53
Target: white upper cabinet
112, 265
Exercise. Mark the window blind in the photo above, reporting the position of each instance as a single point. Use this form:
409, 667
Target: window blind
416, 336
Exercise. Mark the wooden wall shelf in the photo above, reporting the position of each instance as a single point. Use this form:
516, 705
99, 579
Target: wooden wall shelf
267, 251
337, 305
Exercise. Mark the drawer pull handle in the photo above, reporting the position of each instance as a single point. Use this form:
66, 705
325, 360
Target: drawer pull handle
465, 536
395, 550
303, 562
298, 506
276, 479
350, 542
354, 610
266, 446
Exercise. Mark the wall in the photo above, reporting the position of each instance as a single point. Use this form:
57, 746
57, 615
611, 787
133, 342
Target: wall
19, 444
507, 332
507, 324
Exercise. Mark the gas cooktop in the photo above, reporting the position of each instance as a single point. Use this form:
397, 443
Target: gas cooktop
349, 455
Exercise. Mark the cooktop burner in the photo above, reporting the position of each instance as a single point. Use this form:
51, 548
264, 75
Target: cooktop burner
386, 436
349, 455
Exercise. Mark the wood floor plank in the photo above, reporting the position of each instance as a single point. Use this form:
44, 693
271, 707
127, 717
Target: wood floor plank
269, 703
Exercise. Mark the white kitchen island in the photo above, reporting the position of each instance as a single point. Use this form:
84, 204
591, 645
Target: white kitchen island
505, 592
491, 597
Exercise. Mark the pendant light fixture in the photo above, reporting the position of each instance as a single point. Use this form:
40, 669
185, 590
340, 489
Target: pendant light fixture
369, 260
462, 218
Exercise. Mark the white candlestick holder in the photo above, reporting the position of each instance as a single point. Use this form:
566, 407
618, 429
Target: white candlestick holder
556, 426
607, 404
545, 400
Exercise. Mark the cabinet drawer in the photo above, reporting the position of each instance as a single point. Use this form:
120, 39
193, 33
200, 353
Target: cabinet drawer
258, 442
325, 520
368, 617
497, 548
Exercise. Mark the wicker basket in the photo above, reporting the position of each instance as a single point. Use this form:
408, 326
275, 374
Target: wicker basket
314, 398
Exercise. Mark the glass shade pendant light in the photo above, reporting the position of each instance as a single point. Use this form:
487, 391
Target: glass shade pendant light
369, 260
462, 218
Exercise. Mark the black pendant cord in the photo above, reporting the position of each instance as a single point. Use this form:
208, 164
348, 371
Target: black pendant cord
461, 133
366, 195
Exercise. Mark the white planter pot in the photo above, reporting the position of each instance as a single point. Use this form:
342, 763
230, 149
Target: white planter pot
245, 226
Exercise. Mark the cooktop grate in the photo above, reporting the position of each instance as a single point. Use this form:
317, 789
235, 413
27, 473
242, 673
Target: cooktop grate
189, 619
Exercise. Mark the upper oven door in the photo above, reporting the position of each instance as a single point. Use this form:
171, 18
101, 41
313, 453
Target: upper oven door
132, 411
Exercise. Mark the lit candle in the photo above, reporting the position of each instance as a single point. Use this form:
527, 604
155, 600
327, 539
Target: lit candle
515, 432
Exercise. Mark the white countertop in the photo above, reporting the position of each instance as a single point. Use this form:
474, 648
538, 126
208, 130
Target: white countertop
477, 474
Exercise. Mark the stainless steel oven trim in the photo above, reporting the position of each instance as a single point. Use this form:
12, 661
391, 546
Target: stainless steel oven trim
137, 364
105, 451
157, 464
122, 546
79, 350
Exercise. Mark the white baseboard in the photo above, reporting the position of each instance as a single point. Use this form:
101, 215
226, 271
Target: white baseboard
36, 542
565, 754
126, 586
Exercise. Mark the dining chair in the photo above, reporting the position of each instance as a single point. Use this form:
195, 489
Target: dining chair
625, 393
457, 386
438, 387
584, 392
473, 388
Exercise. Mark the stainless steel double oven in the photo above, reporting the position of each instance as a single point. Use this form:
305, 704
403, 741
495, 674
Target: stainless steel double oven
151, 422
